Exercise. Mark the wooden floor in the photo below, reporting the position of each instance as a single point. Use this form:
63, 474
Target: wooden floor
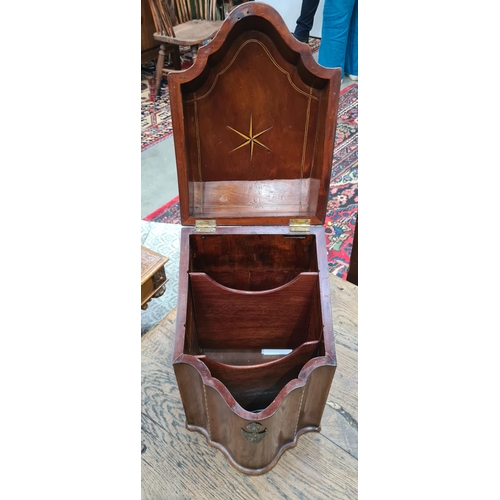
178, 464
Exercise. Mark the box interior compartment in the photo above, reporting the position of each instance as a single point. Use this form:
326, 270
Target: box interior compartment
249, 293
252, 262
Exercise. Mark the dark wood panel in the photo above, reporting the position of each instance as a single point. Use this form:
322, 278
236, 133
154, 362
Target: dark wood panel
274, 319
179, 464
255, 387
210, 406
276, 112
271, 102
285, 256
147, 28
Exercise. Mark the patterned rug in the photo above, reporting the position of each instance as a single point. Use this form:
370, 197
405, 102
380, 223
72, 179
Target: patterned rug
156, 119
164, 239
342, 207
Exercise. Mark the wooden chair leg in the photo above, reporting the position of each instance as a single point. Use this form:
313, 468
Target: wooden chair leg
159, 69
176, 56
194, 52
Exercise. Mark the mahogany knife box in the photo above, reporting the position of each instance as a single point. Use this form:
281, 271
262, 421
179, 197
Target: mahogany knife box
254, 122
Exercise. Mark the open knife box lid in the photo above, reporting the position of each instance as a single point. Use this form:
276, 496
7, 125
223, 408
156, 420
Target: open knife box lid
254, 122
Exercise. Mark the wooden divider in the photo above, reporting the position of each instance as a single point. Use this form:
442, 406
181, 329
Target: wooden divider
255, 387
233, 319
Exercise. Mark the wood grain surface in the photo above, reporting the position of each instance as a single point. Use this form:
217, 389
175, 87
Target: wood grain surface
151, 262
254, 122
147, 28
271, 319
153, 276
178, 464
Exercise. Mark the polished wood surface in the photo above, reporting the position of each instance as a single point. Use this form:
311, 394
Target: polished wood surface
270, 319
226, 259
179, 464
153, 276
191, 32
284, 397
255, 387
254, 123
147, 28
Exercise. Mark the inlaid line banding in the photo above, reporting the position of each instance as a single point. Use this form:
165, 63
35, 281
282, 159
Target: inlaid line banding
253, 40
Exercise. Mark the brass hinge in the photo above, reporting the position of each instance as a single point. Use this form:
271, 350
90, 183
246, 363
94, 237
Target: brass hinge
300, 225
205, 226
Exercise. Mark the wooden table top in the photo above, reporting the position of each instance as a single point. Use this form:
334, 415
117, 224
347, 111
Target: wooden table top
178, 464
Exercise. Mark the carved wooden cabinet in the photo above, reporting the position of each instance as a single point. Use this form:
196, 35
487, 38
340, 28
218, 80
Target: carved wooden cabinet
254, 123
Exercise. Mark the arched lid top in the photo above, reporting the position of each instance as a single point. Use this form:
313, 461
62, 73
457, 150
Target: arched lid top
254, 123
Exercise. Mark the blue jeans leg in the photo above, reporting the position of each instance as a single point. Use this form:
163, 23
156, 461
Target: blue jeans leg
306, 20
351, 56
335, 33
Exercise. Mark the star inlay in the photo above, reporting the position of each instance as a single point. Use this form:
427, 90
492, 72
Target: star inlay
250, 138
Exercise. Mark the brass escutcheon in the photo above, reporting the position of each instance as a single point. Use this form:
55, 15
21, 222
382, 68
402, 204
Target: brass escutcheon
253, 432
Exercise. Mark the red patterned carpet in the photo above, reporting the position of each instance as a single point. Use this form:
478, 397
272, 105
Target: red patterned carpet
342, 205
156, 119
